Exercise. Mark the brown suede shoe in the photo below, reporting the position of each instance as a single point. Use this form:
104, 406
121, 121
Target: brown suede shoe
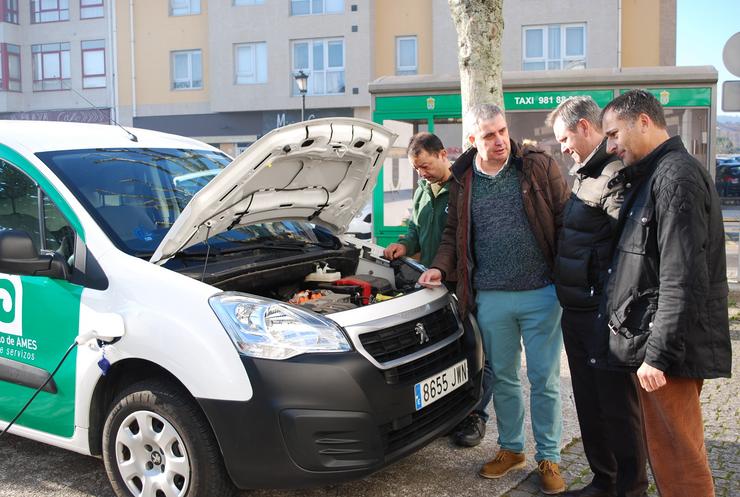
550, 480
504, 462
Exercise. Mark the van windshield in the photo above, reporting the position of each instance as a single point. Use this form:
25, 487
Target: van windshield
135, 195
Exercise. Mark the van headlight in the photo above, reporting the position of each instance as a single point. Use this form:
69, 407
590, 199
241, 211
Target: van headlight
269, 329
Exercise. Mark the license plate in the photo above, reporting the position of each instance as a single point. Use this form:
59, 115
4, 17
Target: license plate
437, 386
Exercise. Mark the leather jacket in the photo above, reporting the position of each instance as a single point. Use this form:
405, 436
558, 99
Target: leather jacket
666, 298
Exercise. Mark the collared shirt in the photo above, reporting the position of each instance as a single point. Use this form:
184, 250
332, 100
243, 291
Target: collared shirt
479, 170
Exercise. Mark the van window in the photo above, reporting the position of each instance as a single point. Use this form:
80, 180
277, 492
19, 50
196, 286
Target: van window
21, 204
136, 195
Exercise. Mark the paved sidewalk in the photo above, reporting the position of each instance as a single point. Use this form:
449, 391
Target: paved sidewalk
721, 409
31, 469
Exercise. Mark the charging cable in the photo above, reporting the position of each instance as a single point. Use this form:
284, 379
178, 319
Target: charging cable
115, 329
79, 340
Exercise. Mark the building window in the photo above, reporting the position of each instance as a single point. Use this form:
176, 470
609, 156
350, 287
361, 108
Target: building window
187, 70
240, 147
10, 67
308, 7
250, 63
184, 7
556, 46
50, 66
323, 61
93, 64
49, 10
249, 2
9, 11
406, 61
91, 9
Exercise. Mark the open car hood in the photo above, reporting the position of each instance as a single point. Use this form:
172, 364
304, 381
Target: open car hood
322, 171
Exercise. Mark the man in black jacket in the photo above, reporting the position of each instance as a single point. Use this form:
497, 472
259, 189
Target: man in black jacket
665, 307
606, 401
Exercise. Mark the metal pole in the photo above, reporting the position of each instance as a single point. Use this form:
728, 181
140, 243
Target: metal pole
303, 105
737, 270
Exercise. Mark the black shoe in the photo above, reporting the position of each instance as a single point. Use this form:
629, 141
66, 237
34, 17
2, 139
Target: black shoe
588, 491
470, 431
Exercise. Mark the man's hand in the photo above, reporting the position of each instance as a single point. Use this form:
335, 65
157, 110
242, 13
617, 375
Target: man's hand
394, 251
650, 378
431, 278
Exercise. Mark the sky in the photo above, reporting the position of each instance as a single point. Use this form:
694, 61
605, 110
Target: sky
702, 29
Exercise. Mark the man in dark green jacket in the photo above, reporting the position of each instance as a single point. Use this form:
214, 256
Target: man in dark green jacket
428, 156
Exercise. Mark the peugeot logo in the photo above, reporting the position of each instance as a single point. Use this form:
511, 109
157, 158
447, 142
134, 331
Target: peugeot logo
422, 333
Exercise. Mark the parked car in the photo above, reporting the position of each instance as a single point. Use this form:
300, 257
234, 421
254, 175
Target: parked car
202, 324
361, 225
727, 179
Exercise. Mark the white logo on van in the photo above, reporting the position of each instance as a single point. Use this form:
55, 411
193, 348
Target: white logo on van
11, 305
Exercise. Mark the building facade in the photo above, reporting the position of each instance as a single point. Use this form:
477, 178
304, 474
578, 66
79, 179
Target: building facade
222, 70
55, 60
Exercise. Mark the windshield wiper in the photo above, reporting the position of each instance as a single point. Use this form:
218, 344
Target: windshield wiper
265, 244
288, 243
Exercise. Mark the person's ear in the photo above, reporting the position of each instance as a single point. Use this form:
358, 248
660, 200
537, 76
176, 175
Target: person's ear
644, 122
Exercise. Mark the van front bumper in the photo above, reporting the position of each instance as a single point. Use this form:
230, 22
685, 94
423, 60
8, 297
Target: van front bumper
319, 419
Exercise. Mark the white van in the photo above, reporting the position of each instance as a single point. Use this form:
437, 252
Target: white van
203, 324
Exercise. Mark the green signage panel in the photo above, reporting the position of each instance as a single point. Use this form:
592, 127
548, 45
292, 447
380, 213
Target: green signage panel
546, 100
680, 97
419, 104
451, 104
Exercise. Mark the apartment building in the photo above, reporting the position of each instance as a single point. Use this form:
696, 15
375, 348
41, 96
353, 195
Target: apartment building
55, 60
222, 70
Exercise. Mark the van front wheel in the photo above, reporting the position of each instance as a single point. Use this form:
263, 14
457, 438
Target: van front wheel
157, 443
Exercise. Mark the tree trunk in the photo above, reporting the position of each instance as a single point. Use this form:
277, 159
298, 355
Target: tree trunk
480, 26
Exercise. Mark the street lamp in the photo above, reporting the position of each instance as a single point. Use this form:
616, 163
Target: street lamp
301, 79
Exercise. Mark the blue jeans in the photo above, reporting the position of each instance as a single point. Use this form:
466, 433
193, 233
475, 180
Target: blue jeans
507, 319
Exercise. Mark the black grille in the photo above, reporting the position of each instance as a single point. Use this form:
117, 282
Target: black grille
415, 371
402, 340
426, 420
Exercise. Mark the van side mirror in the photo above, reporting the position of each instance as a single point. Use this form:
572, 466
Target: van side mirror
19, 255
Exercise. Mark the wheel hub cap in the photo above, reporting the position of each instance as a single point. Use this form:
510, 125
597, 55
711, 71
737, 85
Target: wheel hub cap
151, 456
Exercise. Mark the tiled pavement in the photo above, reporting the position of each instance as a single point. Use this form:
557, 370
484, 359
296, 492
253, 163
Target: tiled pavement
721, 409
30, 469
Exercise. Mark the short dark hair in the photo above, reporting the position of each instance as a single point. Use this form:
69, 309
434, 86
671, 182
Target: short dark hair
426, 142
628, 106
573, 109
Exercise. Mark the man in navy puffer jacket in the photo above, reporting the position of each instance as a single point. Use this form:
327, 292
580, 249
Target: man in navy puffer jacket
606, 401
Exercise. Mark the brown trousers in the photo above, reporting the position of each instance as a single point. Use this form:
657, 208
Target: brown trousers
674, 433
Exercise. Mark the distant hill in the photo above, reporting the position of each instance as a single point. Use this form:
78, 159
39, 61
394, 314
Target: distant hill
729, 127
728, 119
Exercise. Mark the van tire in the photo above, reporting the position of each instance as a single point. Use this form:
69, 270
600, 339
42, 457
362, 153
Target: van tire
164, 406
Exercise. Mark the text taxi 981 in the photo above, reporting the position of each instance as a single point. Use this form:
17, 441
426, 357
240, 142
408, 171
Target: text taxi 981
229, 335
